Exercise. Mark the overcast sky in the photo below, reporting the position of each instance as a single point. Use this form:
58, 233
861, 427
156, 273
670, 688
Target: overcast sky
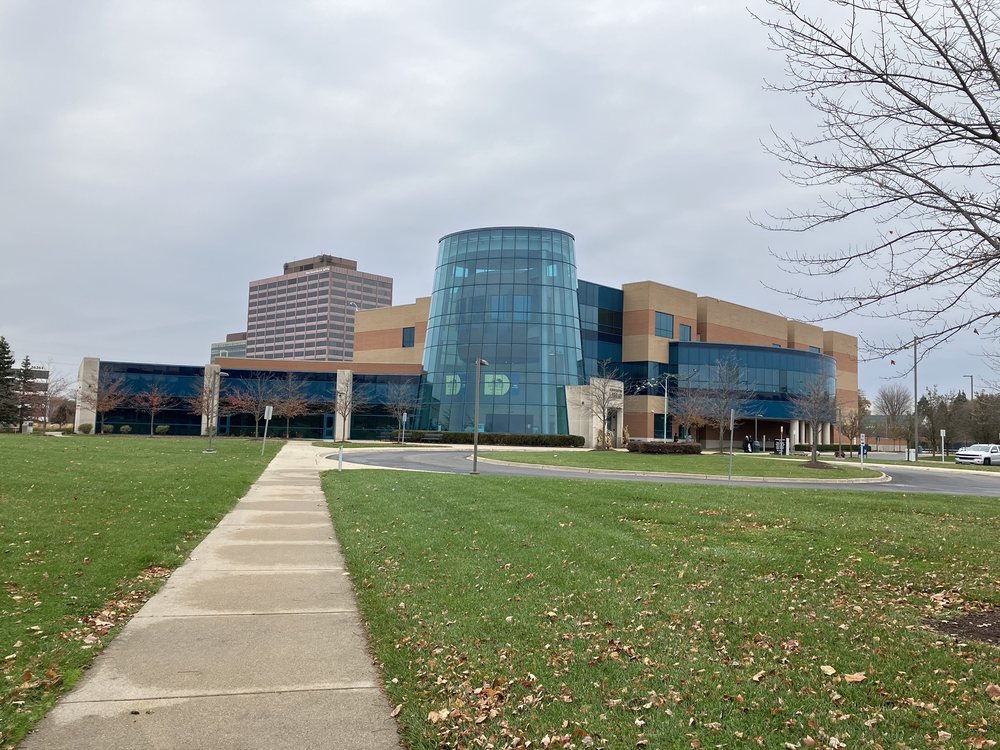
157, 156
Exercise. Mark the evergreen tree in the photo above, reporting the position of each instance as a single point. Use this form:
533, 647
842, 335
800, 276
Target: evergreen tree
27, 397
8, 385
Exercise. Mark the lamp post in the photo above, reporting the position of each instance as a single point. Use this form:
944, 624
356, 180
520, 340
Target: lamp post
653, 382
755, 417
916, 422
480, 363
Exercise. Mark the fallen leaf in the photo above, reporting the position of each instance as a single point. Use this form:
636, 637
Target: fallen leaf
827, 670
396, 710
856, 677
759, 676
993, 691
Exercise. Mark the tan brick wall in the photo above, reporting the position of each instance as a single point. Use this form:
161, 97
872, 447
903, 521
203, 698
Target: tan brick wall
803, 335
728, 323
638, 414
378, 334
844, 349
641, 301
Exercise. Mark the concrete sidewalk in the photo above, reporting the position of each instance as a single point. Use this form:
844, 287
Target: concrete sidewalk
255, 642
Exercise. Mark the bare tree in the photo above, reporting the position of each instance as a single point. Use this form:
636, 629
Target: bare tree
351, 399
251, 396
894, 402
605, 396
153, 399
815, 404
690, 409
907, 96
110, 392
56, 396
852, 421
207, 402
291, 399
402, 398
729, 392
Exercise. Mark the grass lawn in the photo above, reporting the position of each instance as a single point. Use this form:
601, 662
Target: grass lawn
933, 462
89, 528
624, 615
705, 463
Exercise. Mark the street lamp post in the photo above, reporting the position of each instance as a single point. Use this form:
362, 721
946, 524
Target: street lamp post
755, 417
652, 382
916, 422
480, 363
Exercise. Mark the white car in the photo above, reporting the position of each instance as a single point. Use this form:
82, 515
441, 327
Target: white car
980, 453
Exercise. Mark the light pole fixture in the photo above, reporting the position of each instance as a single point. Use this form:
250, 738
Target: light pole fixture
916, 420
480, 363
972, 387
653, 382
755, 418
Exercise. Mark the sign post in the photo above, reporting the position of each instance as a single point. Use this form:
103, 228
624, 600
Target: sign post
942, 445
861, 445
403, 436
268, 411
732, 419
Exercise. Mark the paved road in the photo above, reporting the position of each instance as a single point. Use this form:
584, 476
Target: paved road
904, 479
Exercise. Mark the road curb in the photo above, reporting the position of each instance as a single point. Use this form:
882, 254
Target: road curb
881, 479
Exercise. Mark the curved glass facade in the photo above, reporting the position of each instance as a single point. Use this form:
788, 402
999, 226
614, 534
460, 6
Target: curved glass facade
507, 295
775, 374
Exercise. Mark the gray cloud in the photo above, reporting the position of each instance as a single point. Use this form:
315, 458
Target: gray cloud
158, 156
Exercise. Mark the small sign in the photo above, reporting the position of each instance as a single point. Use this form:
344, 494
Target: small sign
942, 433
863, 441
404, 417
268, 411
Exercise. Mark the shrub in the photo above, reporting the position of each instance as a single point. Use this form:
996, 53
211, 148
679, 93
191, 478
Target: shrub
107, 429
162, 429
86, 429
656, 446
125, 429
496, 438
824, 447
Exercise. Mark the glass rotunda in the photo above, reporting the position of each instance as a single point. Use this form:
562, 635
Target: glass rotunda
508, 296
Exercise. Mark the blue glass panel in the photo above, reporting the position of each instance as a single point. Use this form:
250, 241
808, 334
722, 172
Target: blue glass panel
531, 278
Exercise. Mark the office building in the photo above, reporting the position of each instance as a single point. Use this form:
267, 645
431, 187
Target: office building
308, 312
509, 298
235, 345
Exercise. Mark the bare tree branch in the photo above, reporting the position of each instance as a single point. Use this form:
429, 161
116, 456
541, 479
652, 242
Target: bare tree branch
908, 98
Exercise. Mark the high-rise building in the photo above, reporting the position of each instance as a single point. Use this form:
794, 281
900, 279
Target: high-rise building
308, 311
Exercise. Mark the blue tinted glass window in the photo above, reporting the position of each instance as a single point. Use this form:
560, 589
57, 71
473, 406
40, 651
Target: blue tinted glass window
665, 325
408, 336
685, 332
814, 349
